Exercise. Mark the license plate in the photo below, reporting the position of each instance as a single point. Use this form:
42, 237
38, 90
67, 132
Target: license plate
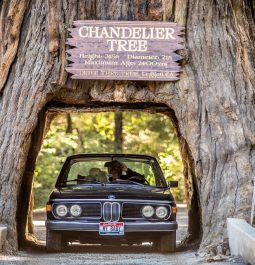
107, 228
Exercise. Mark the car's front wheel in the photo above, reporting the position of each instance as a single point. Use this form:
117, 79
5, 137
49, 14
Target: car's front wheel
167, 243
53, 241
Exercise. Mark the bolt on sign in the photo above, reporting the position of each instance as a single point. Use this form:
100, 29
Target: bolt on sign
125, 50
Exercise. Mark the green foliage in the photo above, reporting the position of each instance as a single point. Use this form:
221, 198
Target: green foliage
143, 133
153, 134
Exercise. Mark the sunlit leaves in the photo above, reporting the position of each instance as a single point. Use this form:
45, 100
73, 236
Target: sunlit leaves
143, 133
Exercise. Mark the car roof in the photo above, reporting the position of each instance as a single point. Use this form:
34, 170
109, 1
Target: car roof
78, 156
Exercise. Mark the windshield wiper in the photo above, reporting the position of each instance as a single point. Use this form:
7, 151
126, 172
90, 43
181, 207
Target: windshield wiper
83, 180
126, 181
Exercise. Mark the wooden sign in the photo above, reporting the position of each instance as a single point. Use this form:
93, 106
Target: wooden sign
124, 50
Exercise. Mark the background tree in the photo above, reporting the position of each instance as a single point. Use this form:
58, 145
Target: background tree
118, 132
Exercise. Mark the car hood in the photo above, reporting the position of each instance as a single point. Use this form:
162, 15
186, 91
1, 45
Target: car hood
114, 191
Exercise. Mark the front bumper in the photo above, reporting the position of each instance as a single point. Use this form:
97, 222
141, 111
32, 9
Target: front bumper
94, 226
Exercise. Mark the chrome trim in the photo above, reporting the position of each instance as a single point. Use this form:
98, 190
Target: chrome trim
144, 218
107, 207
94, 226
80, 208
118, 211
167, 208
111, 200
80, 217
67, 210
111, 205
142, 208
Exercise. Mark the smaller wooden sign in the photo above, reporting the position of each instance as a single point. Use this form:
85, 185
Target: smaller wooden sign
125, 50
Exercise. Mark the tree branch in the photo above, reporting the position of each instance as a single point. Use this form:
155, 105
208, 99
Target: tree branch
10, 35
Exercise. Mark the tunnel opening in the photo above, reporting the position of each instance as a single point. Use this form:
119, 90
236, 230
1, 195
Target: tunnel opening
52, 110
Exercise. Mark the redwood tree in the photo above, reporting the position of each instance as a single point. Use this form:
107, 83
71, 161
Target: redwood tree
212, 104
118, 132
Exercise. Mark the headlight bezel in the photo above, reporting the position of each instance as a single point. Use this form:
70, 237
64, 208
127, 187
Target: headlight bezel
166, 212
152, 213
57, 210
75, 205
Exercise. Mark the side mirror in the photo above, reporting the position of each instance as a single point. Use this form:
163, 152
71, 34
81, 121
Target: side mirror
173, 184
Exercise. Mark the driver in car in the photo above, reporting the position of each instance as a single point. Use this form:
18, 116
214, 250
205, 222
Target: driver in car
116, 168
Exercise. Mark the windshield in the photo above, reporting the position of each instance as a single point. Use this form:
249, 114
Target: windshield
90, 171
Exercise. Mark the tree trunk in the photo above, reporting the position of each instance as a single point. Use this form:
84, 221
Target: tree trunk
30, 225
69, 125
118, 132
213, 102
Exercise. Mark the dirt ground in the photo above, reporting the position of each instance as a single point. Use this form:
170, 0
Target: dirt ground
124, 255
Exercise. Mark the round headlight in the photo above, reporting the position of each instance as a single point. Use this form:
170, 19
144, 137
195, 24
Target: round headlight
148, 211
75, 210
161, 212
61, 210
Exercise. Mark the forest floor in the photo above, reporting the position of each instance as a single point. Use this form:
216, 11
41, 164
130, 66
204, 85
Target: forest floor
123, 255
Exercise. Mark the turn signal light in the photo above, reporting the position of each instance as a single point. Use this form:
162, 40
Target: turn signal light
174, 209
48, 208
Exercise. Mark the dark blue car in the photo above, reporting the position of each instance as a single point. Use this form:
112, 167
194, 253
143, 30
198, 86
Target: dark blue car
111, 199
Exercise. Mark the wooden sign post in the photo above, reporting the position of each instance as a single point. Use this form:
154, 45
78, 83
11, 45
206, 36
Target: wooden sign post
125, 50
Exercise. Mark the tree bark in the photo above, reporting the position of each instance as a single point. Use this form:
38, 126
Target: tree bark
11, 20
213, 101
69, 125
118, 132
30, 225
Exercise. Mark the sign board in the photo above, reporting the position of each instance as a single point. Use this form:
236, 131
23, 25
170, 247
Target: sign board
124, 50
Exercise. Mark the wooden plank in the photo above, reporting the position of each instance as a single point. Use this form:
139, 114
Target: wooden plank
134, 67
76, 54
159, 46
100, 53
177, 39
125, 50
124, 74
127, 23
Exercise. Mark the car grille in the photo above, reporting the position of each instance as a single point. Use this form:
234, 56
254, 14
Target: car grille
91, 210
111, 211
134, 210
